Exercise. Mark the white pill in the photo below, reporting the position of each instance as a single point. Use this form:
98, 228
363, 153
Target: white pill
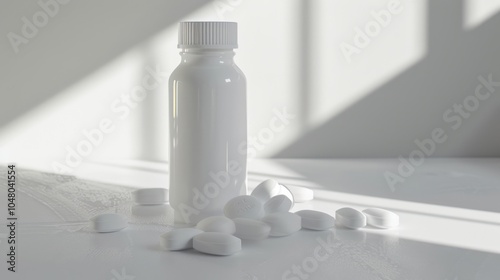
350, 218
283, 223
179, 239
267, 189
381, 218
217, 224
301, 194
217, 243
316, 220
279, 203
270, 188
150, 196
286, 192
244, 206
108, 222
251, 229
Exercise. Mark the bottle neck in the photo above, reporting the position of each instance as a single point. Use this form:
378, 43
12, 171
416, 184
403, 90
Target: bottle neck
219, 56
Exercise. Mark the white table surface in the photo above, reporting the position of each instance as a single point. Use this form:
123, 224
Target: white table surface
449, 210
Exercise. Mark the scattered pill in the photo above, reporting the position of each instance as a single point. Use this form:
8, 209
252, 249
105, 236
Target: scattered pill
179, 239
108, 222
283, 223
251, 229
150, 196
267, 189
244, 206
381, 218
217, 224
279, 203
316, 220
350, 218
283, 190
301, 194
217, 243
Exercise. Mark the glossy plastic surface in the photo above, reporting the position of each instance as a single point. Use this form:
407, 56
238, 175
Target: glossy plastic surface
208, 129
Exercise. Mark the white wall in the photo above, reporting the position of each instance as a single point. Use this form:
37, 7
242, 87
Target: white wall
374, 103
397, 88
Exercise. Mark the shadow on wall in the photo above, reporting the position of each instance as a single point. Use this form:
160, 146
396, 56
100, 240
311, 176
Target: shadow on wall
388, 120
93, 33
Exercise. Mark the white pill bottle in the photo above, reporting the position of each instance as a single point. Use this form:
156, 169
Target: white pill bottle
208, 122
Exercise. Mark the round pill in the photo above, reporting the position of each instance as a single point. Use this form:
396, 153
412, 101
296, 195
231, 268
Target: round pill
316, 220
267, 189
251, 229
108, 222
350, 218
301, 194
244, 206
279, 203
179, 239
381, 218
217, 224
150, 196
283, 223
217, 243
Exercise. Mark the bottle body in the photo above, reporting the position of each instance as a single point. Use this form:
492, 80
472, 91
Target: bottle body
208, 134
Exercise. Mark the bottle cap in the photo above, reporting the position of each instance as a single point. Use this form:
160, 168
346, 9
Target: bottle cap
208, 35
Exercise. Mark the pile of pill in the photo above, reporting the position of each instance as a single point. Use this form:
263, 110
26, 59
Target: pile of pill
263, 213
